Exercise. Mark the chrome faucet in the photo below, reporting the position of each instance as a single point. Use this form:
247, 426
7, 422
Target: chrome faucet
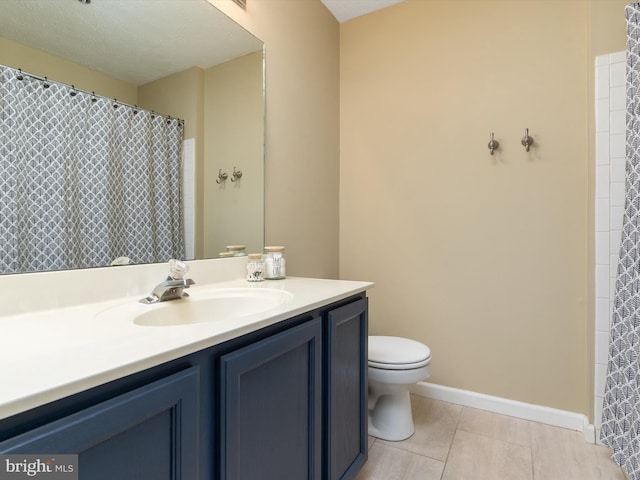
173, 287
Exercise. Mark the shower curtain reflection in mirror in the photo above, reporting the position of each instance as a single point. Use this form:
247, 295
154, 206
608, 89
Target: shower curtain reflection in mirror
83, 179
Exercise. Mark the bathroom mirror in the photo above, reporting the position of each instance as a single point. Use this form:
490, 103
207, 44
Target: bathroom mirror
136, 52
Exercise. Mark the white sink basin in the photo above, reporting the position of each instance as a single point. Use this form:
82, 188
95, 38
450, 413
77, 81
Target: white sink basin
211, 306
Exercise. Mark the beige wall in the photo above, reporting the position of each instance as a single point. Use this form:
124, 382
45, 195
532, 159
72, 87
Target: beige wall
302, 130
43, 64
234, 137
607, 30
180, 95
484, 258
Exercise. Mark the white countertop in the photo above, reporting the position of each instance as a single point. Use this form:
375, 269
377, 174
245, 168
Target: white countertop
49, 354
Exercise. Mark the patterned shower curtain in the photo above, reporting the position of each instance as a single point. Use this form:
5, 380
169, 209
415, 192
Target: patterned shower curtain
621, 409
84, 179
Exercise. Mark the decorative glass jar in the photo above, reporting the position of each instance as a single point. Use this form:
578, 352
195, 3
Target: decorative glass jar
274, 263
255, 267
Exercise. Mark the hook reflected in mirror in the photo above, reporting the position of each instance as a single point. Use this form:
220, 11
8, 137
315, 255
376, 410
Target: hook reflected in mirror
222, 176
236, 175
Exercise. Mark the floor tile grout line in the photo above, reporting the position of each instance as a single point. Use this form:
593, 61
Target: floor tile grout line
453, 438
533, 466
409, 452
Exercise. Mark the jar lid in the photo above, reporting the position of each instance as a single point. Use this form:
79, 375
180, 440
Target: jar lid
226, 254
274, 249
235, 248
255, 256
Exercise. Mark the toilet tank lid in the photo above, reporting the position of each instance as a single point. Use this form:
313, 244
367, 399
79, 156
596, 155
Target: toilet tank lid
397, 350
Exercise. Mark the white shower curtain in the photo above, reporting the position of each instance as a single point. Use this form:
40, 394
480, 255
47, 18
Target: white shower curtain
621, 409
83, 179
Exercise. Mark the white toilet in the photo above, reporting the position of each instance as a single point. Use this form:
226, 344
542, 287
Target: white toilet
395, 364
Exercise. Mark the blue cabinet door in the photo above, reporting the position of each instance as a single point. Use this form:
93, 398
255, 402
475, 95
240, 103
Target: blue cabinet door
346, 391
270, 417
150, 433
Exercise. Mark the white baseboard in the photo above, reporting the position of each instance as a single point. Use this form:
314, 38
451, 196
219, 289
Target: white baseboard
512, 408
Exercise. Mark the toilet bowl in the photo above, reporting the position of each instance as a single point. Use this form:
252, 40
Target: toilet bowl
395, 364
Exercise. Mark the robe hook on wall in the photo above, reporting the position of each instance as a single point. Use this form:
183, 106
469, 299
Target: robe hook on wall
236, 175
493, 144
526, 141
221, 176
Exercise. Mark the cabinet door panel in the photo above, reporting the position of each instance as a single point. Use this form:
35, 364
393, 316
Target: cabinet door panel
150, 433
271, 407
346, 390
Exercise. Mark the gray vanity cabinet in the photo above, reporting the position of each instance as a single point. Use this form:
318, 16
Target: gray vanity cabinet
285, 402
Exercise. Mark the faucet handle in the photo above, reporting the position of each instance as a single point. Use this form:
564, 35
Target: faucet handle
177, 269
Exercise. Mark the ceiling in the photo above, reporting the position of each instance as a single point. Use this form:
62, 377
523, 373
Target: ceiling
345, 10
123, 38
89, 34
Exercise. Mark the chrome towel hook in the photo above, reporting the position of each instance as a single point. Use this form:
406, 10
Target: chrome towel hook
236, 175
526, 141
221, 176
493, 144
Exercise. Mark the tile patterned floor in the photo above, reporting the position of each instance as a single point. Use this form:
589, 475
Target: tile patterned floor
452, 442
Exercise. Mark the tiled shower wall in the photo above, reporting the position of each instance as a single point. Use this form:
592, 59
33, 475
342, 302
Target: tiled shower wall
610, 164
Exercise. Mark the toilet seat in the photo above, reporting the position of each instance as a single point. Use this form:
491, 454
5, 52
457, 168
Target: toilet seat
396, 353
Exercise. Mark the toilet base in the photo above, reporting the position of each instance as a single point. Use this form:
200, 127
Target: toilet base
391, 418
